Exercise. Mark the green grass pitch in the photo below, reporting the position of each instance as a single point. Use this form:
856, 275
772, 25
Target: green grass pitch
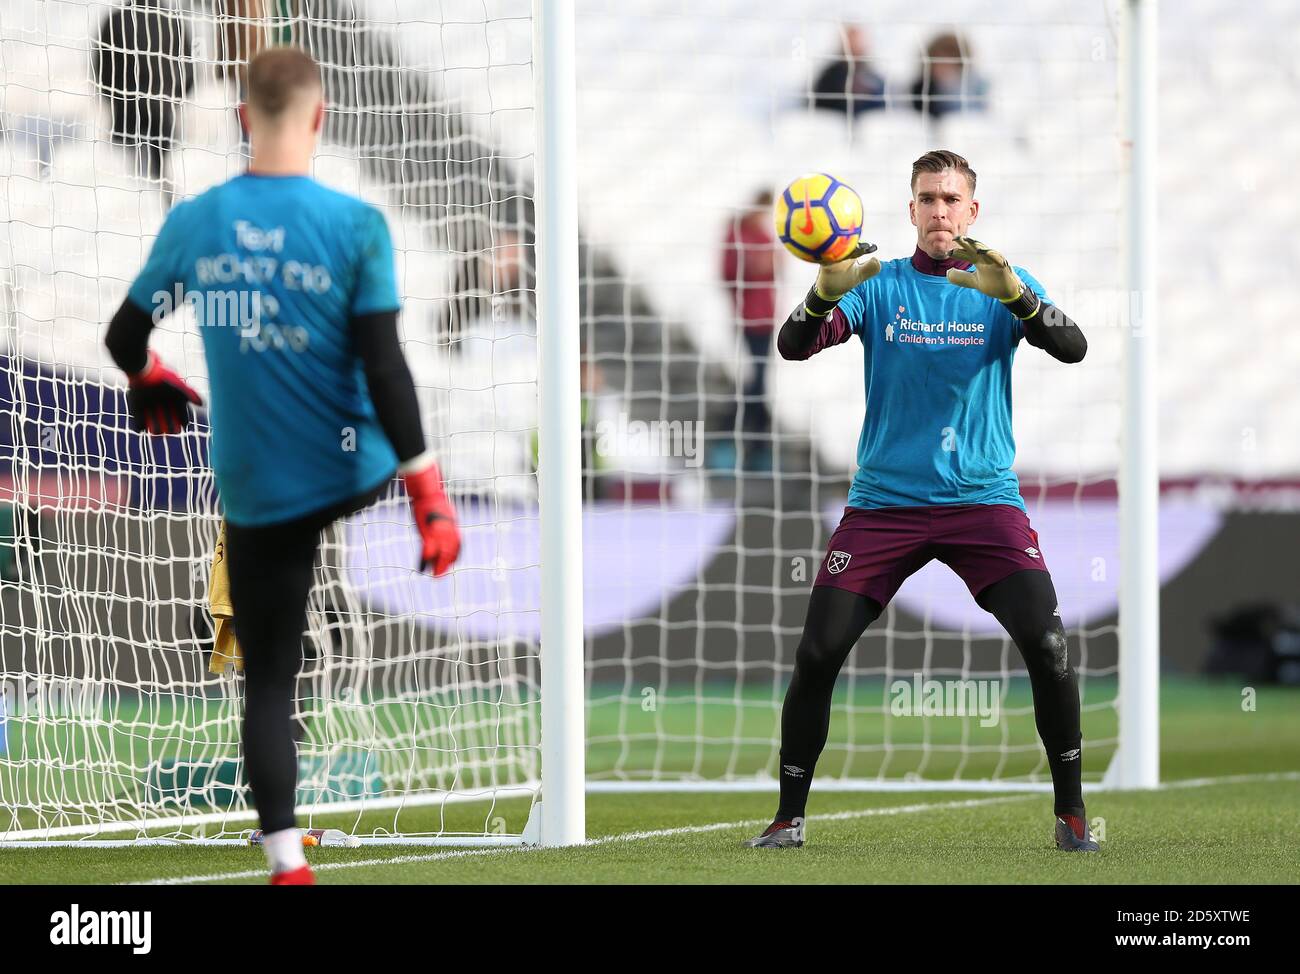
1227, 816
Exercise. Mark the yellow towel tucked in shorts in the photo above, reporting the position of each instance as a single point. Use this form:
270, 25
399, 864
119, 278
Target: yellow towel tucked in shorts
226, 650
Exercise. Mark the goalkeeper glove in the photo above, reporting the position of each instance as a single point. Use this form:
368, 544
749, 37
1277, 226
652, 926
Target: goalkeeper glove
435, 518
838, 279
159, 399
992, 275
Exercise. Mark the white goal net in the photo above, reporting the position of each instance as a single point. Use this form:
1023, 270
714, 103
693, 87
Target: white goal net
417, 705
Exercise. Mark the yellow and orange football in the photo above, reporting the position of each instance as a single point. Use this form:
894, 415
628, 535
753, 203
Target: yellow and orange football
819, 218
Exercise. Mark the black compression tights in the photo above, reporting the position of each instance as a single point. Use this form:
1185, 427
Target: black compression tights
1024, 603
270, 578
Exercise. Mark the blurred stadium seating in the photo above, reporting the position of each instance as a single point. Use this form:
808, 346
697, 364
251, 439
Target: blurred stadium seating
684, 111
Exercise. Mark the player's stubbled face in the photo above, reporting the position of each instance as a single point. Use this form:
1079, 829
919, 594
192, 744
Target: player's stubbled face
941, 209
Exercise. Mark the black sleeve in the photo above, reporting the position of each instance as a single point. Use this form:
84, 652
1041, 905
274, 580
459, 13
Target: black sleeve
797, 338
127, 339
797, 334
1055, 332
391, 388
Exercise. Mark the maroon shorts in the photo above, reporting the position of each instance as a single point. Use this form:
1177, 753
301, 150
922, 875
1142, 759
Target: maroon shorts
873, 551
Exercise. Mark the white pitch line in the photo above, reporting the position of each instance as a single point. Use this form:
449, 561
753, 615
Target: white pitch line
695, 830
600, 840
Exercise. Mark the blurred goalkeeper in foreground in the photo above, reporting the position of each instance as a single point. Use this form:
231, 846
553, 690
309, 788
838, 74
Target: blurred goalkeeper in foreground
313, 407
934, 475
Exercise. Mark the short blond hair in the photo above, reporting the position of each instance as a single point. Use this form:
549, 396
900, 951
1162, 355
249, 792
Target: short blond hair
278, 76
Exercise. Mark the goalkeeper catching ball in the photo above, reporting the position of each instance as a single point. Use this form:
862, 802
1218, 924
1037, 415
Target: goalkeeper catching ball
313, 406
934, 477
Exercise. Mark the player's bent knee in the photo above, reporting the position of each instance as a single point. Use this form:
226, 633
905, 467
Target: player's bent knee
818, 658
1055, 653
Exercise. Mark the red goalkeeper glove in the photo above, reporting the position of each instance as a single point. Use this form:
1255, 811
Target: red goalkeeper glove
435, 519
159, 399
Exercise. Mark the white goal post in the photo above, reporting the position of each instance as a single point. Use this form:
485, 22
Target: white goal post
1137, 763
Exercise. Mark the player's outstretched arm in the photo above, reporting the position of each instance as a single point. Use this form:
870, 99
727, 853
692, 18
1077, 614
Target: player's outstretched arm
158, 398
396, 407
811, 327
1055, 332
1046, 326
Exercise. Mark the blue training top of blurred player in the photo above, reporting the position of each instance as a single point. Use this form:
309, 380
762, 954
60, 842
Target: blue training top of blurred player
275, 267
938, 382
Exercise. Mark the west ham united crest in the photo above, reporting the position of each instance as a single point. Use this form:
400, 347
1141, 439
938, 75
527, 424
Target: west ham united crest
837, 561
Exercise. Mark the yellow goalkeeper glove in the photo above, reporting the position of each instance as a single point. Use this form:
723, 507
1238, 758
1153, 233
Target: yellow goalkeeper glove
992, 275
838, 279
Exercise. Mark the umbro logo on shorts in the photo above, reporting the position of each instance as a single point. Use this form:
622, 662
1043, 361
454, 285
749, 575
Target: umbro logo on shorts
1032, 552
837, 561
1070, 755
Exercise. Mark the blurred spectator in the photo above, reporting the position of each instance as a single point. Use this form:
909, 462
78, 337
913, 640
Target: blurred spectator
749, 274
946, 81
600, 408
242, 32
490, 414
142, 63
849, 84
